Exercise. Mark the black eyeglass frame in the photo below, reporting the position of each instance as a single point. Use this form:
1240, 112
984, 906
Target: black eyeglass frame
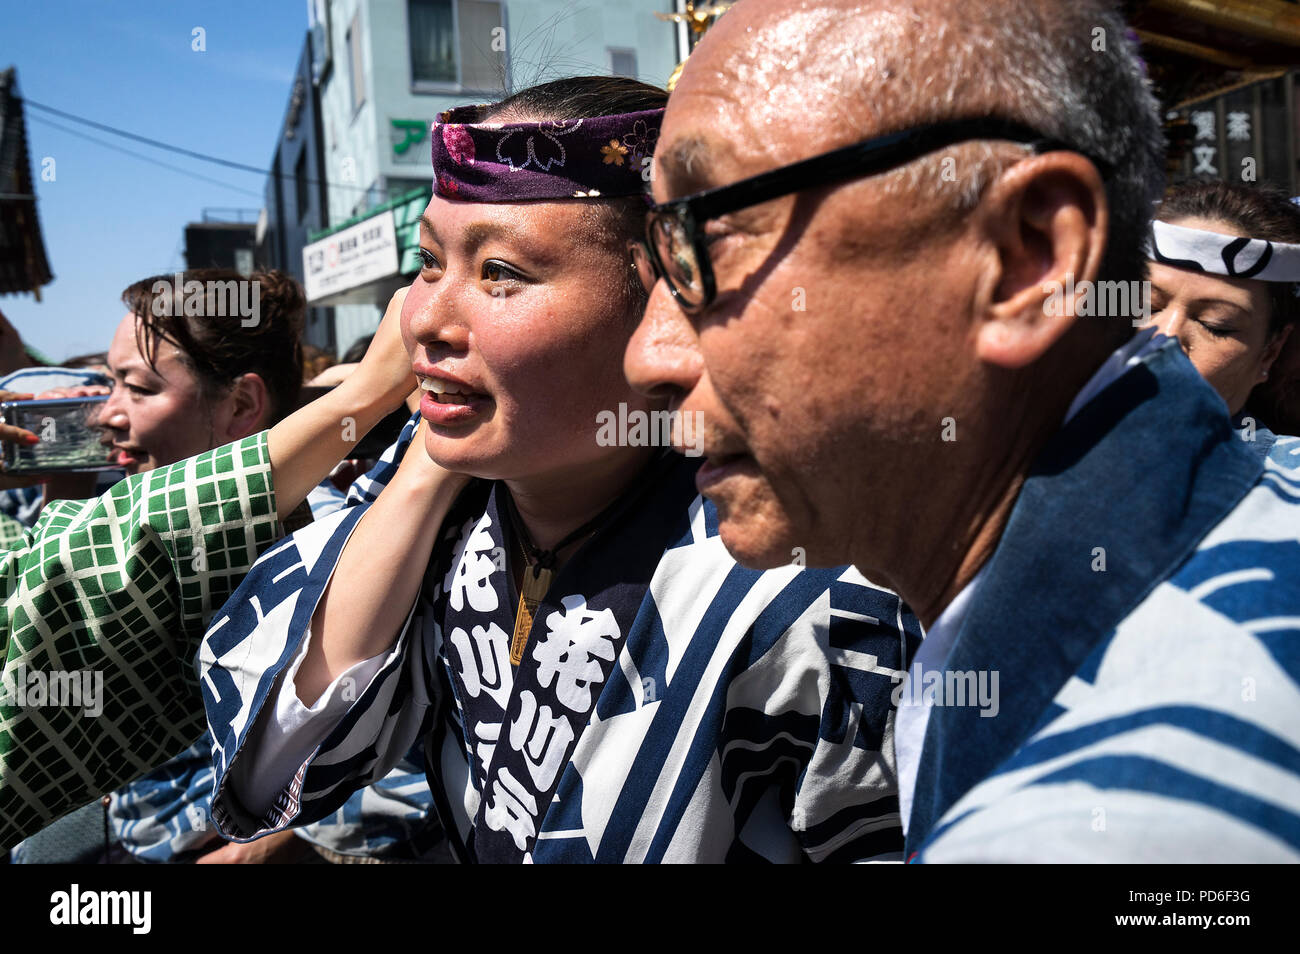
869, 157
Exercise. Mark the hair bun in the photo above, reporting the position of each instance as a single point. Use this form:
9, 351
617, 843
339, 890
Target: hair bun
282, 295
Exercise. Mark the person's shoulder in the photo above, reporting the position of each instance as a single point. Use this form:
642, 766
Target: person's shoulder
1173, 741
1284, 455
1262, 531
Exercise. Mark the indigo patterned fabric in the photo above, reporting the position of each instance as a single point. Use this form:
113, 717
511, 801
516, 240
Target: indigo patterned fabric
392, 819
733, 715
164, 816
1150, 700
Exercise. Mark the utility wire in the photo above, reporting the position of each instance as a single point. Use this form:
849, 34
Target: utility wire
183, 151
108, 145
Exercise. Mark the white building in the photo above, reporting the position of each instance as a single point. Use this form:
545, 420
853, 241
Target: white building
386, 68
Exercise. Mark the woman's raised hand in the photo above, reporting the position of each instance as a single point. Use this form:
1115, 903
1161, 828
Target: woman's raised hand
76, 391
386, 368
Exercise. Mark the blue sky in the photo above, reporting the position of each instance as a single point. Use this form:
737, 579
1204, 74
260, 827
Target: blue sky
109, 219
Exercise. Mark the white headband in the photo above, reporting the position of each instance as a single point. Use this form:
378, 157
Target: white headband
1197, 250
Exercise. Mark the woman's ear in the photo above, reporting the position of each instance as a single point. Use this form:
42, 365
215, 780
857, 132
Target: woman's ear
1272, 351
247, 407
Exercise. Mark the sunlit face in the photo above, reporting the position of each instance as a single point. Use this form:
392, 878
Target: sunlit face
1222, 323
152, 418
832, 352
516, 327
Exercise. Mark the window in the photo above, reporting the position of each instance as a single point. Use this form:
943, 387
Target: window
622, 62
433, 54
456, 44
300, 183
318, 25
481, 67
355, 64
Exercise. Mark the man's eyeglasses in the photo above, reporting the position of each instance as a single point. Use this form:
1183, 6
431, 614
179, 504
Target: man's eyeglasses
674, 249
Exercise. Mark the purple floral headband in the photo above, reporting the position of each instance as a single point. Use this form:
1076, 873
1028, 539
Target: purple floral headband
564, 159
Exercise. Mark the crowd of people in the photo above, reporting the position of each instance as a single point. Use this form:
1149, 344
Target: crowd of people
969, 570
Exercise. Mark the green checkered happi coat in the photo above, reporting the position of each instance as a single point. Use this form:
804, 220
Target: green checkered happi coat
123, 584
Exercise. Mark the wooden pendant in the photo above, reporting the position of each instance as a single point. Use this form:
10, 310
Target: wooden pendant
532, 588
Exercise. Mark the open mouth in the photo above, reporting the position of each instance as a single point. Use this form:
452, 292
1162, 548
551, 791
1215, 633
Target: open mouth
448, 403
442, 391
718, 467
126, 456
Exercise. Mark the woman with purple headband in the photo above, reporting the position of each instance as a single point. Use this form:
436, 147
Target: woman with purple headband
538, 598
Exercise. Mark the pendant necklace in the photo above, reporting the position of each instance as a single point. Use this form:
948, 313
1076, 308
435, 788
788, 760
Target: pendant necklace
539, 565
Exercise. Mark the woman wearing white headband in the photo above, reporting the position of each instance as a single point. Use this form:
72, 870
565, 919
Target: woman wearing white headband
1225, 263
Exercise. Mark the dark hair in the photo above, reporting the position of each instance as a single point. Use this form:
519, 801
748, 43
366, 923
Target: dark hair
91, 360
586, 97
1258, 212
357, 350
315, 360
578, 97
213, 334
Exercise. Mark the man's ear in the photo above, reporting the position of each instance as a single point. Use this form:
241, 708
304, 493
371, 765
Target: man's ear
1045, 219
248, 405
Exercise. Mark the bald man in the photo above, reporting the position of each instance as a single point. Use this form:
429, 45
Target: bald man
913, 343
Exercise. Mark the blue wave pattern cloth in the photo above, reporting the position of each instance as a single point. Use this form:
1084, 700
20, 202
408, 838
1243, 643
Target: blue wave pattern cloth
1151, 710
164, 816
391, 819
324, 499
745, 716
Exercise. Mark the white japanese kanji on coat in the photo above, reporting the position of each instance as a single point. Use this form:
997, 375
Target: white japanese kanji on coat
484, 661
567, 654
486, 735
511, 807
543, 738
470, 576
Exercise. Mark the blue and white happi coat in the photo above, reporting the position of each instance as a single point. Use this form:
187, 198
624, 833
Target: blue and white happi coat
1142, 610
670, 705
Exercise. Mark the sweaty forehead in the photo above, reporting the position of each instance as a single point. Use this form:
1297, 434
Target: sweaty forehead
773, 83
124, 352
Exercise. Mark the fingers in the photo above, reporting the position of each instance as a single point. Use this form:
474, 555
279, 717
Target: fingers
17, 435
395, 303
387, 365
76, 391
